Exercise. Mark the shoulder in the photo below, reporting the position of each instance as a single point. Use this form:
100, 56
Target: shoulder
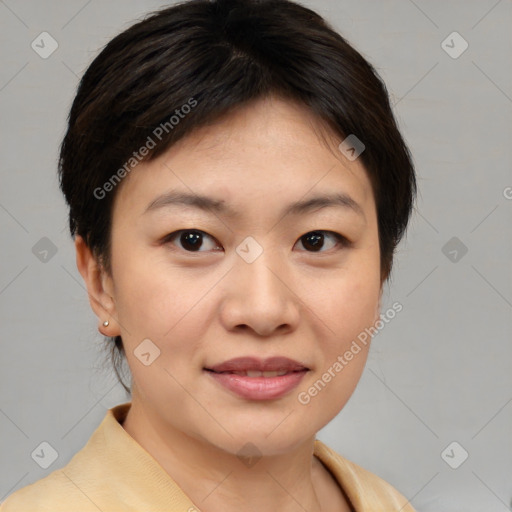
74, 483
366, 491
52, 493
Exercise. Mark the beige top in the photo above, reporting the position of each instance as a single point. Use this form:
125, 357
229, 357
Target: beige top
113, 473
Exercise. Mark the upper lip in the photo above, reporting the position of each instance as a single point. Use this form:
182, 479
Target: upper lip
241, 364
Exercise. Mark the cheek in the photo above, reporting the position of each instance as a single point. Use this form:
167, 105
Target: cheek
327, 394
346, 342
347, 307
165, 307
347, 302
171, 308
152, 297
344, 345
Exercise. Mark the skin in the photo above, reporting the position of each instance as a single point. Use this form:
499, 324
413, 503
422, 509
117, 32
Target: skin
203, 308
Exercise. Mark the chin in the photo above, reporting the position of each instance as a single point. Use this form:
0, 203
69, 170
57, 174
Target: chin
266, 438
250, 446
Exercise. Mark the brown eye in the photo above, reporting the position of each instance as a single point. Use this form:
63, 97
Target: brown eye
315, 241
192, 240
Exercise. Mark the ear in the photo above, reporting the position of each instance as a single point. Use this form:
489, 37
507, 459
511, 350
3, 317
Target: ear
377, 309
100, 288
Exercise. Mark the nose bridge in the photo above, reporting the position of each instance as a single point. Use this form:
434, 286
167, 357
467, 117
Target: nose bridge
258, 295
260, 274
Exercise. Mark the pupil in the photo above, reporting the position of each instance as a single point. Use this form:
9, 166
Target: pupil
191, 238
315, 240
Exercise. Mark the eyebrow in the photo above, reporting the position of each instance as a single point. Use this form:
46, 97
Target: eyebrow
205, 203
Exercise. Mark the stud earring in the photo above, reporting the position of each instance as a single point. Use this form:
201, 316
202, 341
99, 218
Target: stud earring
105, 323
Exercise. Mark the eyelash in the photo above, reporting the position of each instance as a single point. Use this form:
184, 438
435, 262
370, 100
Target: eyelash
340, 239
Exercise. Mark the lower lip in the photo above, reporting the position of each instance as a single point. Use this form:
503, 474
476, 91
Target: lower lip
259, 388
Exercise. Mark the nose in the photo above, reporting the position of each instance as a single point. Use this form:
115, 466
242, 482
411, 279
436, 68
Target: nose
260, 296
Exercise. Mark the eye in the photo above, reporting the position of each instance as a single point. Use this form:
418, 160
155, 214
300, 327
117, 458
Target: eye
192, 240
316, 240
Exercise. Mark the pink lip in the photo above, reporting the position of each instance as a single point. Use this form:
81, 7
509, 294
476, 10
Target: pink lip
258, 388
241, 364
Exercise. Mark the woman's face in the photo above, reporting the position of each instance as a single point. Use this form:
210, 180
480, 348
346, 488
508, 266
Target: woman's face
251, 280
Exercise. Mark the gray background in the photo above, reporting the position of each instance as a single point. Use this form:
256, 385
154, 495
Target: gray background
439, 372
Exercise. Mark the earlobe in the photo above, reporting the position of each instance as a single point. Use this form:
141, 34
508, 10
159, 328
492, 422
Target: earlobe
102, 303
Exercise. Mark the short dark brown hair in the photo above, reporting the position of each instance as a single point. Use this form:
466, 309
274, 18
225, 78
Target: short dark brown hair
218, 55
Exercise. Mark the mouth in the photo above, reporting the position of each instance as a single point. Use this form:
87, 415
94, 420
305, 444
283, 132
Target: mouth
255, 373
255, 367
255, 379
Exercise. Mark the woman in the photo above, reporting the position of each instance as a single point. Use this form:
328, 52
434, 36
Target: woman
237, 187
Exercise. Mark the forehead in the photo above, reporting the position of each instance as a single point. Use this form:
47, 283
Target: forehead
269, 151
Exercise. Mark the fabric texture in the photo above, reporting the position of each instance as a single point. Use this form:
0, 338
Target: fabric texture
113, 473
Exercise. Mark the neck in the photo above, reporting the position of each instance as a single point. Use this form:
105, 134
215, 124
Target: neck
216, 480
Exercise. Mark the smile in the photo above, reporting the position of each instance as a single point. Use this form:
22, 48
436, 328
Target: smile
255, 379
